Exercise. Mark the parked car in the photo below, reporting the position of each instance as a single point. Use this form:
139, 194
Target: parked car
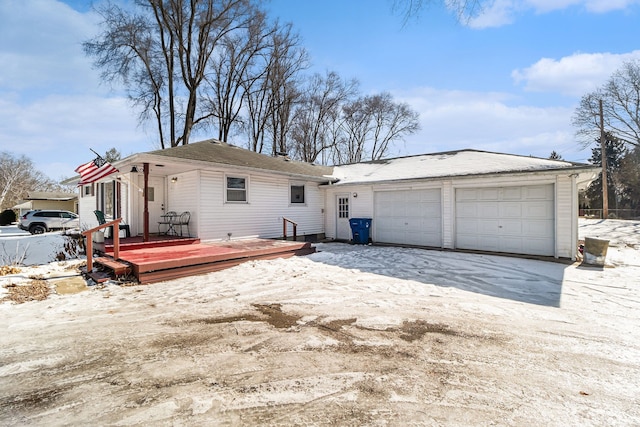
41, 221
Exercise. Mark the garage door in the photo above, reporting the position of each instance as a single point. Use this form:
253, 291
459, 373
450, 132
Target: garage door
409, 217
506, 219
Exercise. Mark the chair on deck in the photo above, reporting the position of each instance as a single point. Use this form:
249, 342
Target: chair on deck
121, 226
183, 220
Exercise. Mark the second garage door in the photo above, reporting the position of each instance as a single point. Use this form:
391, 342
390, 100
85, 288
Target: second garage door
506, 219
410, 217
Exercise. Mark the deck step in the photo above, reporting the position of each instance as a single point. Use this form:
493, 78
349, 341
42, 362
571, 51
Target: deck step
119, 268
99, 276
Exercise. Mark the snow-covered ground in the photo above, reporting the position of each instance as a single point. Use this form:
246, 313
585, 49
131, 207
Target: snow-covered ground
28, 249
351, 335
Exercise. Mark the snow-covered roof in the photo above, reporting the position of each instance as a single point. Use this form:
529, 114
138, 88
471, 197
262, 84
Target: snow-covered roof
447, 164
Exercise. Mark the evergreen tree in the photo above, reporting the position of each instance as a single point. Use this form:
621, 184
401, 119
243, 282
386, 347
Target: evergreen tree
615, 152
555, 156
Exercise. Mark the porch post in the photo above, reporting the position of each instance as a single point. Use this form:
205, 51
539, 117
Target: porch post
146, 202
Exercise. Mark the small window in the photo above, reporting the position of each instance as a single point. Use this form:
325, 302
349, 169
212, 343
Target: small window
47, 214
343, 207
151, 194
297, 194
87, 190
236, 189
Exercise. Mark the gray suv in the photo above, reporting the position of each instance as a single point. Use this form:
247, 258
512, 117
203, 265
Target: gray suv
40, 221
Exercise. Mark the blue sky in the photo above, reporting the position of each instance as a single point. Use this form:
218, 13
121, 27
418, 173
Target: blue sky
507, 81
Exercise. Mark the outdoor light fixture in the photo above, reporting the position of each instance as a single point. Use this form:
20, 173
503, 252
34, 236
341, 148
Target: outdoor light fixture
134, 169
355, 194
174, 179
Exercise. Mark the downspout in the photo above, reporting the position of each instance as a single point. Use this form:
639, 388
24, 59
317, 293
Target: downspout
574, 216
146, 203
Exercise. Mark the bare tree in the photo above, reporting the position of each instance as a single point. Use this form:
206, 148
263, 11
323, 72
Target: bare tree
463, 9
288, 60
371, 124
391, 121
356, 126
621, 108
271, 98
162, 52
235, 70
18, 177
320, 104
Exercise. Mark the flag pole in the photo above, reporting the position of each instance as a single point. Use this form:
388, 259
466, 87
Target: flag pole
95, 153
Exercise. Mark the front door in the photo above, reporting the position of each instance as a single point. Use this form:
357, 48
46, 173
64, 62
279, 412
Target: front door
343, 229
156, 202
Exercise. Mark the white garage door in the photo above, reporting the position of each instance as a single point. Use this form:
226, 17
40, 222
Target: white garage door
507, 219
410, 217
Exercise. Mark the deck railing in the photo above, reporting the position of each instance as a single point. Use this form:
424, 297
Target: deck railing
284, 228
116, 241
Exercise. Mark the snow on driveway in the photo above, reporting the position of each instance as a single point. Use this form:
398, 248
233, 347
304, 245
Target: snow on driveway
351, 335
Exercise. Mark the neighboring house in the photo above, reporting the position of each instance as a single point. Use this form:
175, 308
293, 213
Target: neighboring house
458, 200
48, 200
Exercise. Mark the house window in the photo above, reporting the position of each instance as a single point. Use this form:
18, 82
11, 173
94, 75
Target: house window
297, 193
236, 189
87, 190
108, 199
343, 207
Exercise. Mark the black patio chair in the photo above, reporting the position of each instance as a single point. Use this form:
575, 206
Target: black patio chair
183, 220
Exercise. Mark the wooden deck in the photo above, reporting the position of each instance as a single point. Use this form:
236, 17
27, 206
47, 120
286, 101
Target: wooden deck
166, 259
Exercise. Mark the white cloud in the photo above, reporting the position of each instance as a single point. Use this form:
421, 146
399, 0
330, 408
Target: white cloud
594, 6
573, 75
41, 46
53, 107
60, 127
454, 120
497, 13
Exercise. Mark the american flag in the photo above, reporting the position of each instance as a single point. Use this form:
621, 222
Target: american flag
94, 170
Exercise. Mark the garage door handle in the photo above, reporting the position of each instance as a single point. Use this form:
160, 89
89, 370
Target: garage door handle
499, 226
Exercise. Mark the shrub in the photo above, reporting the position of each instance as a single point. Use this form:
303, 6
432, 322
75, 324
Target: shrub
7, 217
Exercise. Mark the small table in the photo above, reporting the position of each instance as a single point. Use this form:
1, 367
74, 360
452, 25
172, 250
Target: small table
168, 219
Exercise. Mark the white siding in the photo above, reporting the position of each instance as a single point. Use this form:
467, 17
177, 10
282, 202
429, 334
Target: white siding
330, 212
182, 195
360, 205
566, 242
448, 209
124, 204
564, 215
261, 216
86, 206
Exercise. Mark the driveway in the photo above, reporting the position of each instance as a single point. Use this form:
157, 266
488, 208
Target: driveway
352, 335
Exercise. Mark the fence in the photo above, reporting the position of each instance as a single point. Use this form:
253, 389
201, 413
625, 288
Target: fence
613, 213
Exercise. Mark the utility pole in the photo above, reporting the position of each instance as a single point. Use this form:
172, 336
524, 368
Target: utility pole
603, 153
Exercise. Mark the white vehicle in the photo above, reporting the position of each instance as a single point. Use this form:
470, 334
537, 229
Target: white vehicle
41, 221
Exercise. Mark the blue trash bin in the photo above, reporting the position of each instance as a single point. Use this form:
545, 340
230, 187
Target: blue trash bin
360, 230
